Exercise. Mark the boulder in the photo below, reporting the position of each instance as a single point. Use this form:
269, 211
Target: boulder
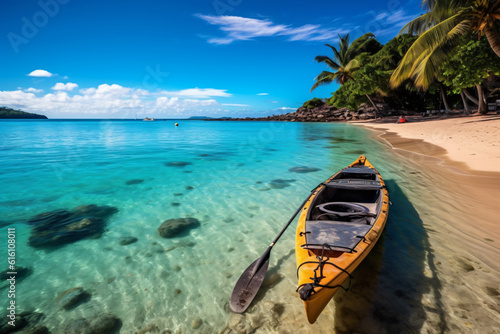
280, 184
26, 323
61, 227
21, 273
71, 298
105, 323
124, 241
302, 169
78, 326
171, 227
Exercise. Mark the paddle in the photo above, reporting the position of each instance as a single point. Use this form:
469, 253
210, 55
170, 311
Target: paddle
251, 280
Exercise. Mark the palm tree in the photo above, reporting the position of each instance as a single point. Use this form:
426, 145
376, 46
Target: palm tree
439, 29
344, 64
341, 64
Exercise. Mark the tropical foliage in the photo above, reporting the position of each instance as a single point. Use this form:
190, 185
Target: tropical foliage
452, 49
313, 103
342, 63
439, 32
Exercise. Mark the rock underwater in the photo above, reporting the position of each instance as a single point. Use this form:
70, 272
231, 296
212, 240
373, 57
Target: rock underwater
60, 227
170, 228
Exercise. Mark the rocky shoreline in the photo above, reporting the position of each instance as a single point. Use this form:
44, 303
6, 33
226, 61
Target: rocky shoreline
323, 113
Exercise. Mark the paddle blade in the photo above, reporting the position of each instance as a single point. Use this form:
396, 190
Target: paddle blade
248, 285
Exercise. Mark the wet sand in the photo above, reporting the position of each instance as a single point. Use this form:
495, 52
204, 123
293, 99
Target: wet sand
470, 143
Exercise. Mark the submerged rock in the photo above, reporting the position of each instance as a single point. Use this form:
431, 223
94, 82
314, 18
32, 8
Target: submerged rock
26, 323
302, 169
71, 298
180, 164
134, 181
105, 323
197, 323
34, 330
61, 227
77, 326
21, 273
171, 227
280, 184
124, 241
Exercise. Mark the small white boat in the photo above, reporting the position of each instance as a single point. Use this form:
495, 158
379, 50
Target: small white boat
148, 119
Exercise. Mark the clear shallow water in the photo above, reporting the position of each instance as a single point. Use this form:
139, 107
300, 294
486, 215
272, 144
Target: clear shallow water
230, 185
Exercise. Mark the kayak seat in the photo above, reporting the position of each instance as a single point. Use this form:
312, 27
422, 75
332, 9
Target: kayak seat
346, 211
334, 235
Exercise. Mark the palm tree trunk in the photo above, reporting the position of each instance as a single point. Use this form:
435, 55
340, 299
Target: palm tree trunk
443, 96
470, 97
374, 105
483, 107
493, 39
464, 100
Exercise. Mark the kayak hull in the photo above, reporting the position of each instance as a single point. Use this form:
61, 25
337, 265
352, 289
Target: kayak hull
326, 260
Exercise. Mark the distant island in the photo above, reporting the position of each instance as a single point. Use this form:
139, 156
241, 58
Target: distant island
8, 113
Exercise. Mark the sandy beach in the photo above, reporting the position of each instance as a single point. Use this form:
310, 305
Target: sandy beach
470, 143
462, 157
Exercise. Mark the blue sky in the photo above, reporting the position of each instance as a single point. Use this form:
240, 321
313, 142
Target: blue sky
170, 59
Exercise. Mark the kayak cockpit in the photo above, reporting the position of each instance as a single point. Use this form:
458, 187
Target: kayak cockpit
344, 211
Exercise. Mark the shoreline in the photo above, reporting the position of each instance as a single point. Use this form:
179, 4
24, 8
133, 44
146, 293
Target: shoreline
467, 143
471, 212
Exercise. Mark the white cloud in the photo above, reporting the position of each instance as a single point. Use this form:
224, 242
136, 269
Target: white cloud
40, 73
65, 86
201, 93
243, 28
262, 94
33, 90
115, 101
286, 108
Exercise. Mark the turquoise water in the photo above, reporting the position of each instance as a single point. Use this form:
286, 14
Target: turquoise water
235, 178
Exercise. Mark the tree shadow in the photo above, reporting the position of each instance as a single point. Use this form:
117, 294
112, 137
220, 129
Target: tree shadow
387, 288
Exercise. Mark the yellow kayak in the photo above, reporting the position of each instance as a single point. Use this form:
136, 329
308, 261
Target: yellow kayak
337, 228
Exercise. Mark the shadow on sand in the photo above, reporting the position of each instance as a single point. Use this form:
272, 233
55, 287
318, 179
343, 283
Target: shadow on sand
387, 288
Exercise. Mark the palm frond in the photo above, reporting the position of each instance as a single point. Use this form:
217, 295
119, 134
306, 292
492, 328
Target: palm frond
428, 66
338, 55
328, 61
429, 40
324, 78
418, 25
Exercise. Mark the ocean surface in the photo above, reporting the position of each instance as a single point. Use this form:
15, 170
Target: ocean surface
237, 179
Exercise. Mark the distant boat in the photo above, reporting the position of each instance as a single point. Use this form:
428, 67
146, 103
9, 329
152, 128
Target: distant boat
148, 119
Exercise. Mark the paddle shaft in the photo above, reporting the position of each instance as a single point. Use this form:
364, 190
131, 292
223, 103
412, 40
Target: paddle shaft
251, 280
293, 217
267, 253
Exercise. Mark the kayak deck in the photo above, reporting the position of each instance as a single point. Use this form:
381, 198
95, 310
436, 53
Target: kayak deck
338, 227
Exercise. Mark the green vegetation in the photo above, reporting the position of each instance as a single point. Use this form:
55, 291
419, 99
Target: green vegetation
313, 103
8, 113
447, 57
